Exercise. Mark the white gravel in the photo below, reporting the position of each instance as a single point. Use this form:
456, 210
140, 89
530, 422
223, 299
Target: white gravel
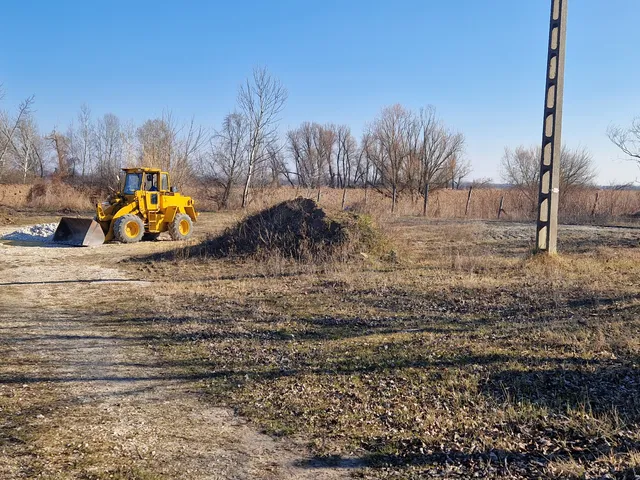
35, 233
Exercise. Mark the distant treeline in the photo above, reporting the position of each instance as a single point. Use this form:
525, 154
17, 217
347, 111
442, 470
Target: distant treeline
401, 154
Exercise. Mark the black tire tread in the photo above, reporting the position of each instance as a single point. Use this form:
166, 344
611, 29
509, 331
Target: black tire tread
174, 230
118, 228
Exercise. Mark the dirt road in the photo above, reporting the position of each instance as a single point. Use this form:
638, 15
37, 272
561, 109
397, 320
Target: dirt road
82, 397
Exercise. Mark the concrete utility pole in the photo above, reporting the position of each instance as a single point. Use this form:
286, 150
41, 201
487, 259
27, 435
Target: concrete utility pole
547, 224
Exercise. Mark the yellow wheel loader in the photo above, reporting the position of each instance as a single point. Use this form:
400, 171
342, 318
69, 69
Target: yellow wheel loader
145, 206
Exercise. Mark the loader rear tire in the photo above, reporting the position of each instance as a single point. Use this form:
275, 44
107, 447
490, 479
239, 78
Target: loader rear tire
181, 228
128, 229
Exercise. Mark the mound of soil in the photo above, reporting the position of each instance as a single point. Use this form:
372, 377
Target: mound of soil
297, 229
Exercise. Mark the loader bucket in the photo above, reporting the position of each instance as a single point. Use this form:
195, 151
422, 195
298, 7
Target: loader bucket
79, 232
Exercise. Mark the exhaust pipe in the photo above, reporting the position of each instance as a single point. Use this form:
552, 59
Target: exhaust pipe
79, 232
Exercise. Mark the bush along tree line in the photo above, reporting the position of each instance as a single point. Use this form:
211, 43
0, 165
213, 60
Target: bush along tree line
401, 152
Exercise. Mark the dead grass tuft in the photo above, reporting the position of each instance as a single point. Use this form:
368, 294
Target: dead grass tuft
57, 196
6, 216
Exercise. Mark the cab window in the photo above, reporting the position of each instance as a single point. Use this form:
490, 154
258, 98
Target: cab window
132, 183
164, 184
152, 183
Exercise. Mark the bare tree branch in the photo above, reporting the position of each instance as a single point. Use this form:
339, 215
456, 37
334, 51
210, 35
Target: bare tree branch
261, 100
23, 110
627, 139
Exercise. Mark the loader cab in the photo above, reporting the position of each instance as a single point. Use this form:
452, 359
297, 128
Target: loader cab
132, 183
148, 181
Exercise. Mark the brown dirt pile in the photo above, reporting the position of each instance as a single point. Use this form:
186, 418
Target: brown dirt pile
297, 229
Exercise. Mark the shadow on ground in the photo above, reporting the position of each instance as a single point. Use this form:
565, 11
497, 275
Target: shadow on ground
438, 340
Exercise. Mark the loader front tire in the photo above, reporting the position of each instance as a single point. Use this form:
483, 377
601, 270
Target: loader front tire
128, 229
181, 228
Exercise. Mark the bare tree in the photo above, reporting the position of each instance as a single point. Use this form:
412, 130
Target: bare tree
576, 169
312, 147
8, 130
300, 146
362, 167
83, 141
189, 152
275, 165
521, 168
62, 146
390, 148
261, 99
28, 149
324, 139
439, 151
414, 152
228, 159
173, 148
130, 146
157, 138
456, 170
308, 166
346, 156
108, 145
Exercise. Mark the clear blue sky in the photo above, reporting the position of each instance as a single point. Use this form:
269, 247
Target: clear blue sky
480, 62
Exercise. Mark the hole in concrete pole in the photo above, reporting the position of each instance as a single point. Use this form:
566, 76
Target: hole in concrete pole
554, 38
546, 157
548, 129
551, 96
553, 67
544, 211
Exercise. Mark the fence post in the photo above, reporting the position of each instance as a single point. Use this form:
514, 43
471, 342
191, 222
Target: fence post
595, 205
344, 197
394, 197
318, 201
426, 200
466, 210
501, 208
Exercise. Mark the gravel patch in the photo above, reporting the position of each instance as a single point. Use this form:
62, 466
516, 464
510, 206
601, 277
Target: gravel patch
35, 233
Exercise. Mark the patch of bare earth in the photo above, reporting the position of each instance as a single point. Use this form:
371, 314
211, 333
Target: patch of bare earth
83, 395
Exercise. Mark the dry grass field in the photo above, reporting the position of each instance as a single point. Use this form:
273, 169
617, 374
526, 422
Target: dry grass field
589, 205
457, 355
